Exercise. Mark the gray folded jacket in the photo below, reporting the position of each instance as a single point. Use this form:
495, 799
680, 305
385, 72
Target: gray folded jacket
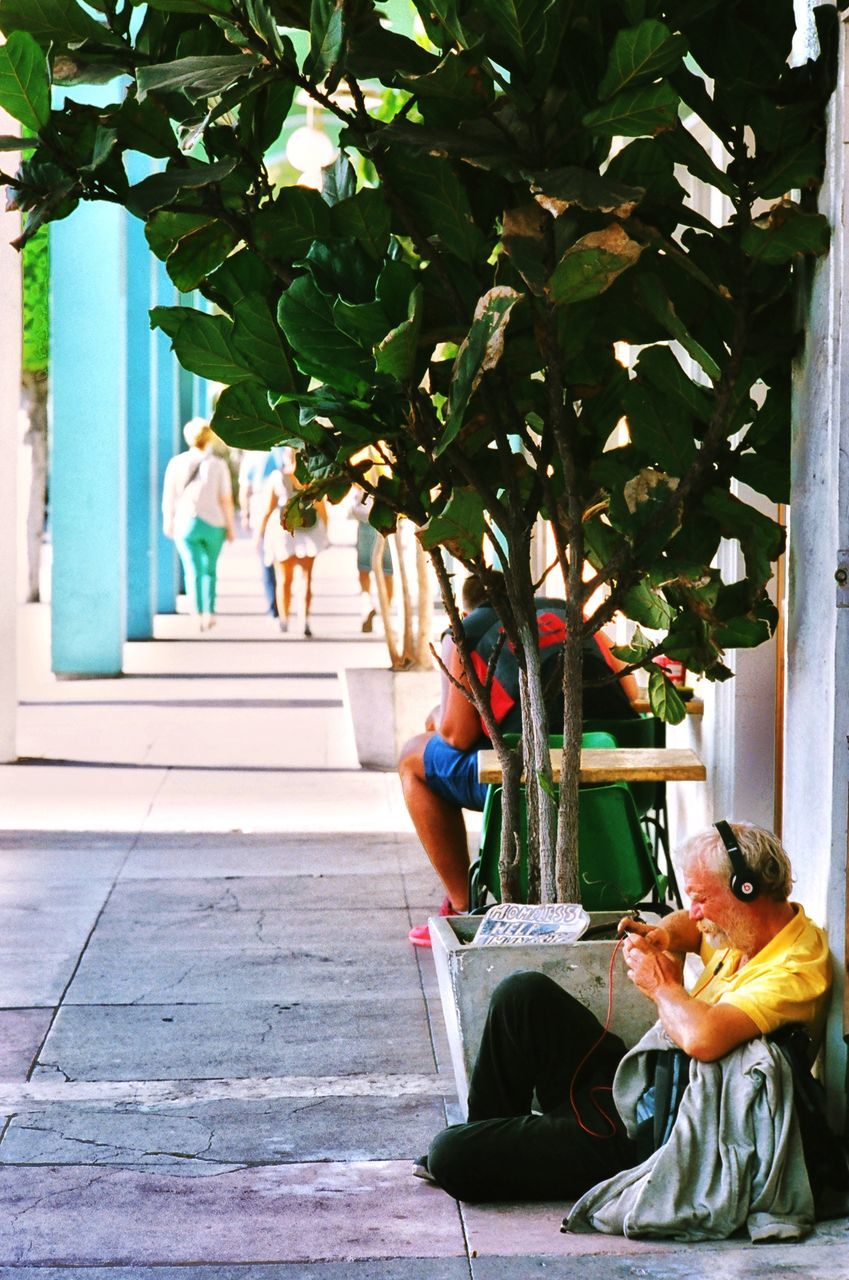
734, 1157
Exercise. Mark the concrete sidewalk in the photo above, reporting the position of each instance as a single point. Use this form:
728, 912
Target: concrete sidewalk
218, 1052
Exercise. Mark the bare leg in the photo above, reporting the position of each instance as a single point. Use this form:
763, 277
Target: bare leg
365, 580
306, 564
439, 824
279, 588
288, 567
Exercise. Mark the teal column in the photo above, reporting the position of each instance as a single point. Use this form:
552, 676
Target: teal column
142, 499
88, 431
167, 442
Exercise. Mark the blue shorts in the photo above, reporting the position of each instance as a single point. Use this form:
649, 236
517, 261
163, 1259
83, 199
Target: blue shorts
453, 774
366, 538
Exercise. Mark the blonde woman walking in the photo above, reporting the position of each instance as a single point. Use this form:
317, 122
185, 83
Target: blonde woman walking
197, 512
289, 551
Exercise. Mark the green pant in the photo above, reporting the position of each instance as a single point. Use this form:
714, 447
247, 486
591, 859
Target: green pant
199, 548
535, 1039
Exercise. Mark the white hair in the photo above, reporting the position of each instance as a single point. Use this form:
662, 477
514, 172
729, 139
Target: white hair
762, 850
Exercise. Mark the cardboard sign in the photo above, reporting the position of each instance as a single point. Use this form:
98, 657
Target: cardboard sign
512, 924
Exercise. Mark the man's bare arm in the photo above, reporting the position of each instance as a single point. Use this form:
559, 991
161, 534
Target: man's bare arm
706, 1032
460, 724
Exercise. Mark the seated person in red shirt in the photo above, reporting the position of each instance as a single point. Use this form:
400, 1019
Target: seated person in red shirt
439, 768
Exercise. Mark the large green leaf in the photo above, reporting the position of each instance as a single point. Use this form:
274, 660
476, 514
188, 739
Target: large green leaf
203, 343
761, 539
480, 351
242, 273
663, 436
683, 148
145, 127
525, 241
197, 77
63, 23
436, 203
259, 343
363, 217
366, 322
591, 264
327, 33
456, 87
664, 699
220, 7
792, 169
652, 295
560, 189
641, 54
161, 188
24, 86
770, 476
262, 20
521, 26
244, 419
396, 354
200, 252
287, 228
459, 527
320, 347
635, 112
647, 608
164, 230
442, 24
784, 232
659, 367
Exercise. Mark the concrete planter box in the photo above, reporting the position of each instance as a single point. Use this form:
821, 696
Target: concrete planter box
468, 976
386, 708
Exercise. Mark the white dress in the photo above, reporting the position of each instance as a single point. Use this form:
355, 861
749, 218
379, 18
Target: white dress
279, 544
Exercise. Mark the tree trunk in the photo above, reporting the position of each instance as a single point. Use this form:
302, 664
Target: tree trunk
407, 651
34, 407
538, 784
510, 854
395, 658
567, 876
423, 659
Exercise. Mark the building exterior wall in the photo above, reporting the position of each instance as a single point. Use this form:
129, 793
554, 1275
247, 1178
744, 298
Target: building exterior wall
816, 730
10, 387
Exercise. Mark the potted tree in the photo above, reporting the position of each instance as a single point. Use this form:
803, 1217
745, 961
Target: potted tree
509, 206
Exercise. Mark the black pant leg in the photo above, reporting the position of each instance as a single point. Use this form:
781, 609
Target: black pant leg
531, 1157
536, 1036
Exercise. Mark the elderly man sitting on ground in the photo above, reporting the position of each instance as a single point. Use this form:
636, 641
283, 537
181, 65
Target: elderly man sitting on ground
766, 965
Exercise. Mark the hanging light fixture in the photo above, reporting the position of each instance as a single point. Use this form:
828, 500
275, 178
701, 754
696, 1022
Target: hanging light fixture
309, 150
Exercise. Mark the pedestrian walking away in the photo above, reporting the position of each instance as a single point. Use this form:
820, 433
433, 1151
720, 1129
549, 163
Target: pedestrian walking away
197, 512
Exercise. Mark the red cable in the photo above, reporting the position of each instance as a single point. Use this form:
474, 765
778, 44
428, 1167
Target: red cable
598, 1088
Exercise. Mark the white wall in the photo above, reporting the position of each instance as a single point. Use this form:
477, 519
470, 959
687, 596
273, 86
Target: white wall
10, 381
816, 787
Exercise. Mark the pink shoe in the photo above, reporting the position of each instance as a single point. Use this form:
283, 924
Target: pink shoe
420, 935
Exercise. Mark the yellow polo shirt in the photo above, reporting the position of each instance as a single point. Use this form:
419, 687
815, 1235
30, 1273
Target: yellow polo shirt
789, 980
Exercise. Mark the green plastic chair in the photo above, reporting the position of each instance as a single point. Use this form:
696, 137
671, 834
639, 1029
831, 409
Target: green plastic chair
649, 797
615, 865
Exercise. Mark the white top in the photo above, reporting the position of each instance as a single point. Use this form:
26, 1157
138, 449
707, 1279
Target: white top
196, 485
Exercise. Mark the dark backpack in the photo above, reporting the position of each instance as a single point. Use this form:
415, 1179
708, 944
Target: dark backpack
826, 1157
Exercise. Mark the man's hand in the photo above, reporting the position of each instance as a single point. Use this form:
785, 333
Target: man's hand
654, 935
650, 967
